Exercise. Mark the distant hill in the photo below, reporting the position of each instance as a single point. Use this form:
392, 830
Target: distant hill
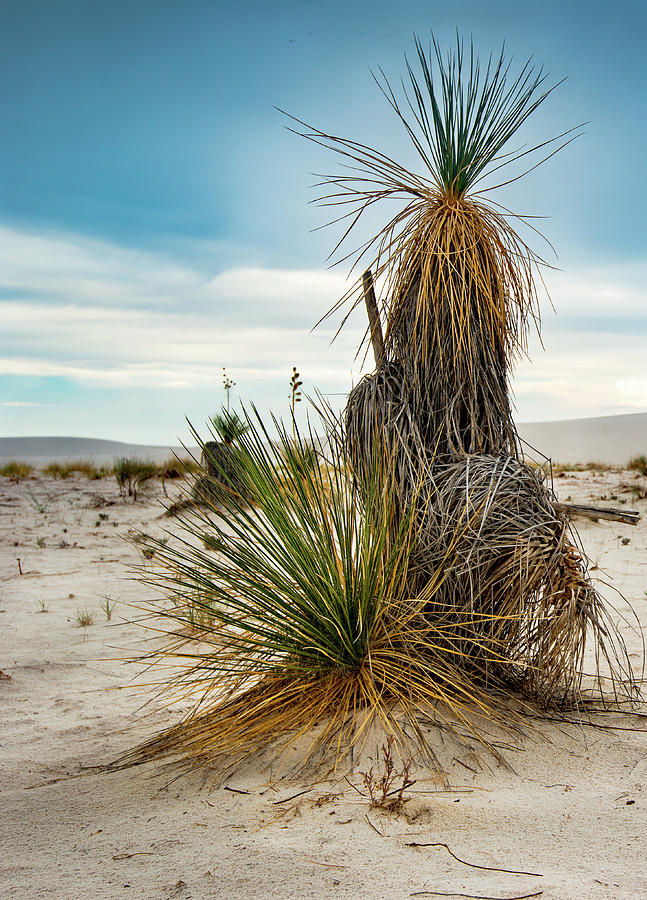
41, 450
607, 439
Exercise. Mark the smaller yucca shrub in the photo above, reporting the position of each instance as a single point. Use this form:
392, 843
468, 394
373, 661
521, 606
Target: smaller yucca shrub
228, 426
290, 611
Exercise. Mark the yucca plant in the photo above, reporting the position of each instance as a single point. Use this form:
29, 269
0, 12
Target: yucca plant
415, 568
459, 291
299, 617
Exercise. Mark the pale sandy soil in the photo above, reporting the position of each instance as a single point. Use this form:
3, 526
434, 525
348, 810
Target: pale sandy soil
574, 810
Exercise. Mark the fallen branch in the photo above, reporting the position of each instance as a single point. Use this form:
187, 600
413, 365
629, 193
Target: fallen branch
475, 865
293, 797
376, 830
629, 517
472, 896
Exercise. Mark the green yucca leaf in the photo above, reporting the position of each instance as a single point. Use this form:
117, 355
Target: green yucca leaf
460, 117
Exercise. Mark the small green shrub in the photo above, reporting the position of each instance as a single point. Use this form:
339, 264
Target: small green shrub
131, 473
55, 470
16, 470
303, 614
301, 457
639, 464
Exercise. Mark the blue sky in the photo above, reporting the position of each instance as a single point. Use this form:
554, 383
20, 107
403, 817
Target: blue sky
154, 214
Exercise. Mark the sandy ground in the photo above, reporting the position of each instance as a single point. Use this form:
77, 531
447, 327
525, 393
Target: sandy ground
573, 811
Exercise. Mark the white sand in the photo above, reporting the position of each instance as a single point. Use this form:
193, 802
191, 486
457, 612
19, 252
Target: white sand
565, 812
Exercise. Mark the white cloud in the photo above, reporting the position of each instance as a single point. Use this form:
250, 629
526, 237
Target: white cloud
80, 271
106, 316
618, 292
310, 287
136, 347
633, 391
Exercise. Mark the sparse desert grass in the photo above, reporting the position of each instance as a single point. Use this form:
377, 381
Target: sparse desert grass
304, 616
41, 502
583, 467
75, 467
16, 470
147, 545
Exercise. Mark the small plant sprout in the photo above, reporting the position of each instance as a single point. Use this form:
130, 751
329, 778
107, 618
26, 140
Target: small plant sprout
107, 606
386, 789
42, 606
84, 618
228, 384
40, 542
147, 545
39, 502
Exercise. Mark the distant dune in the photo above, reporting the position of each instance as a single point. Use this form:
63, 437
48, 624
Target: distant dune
41, 450
607, 439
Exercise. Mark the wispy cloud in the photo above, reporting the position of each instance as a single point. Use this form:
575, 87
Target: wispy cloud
25, 403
